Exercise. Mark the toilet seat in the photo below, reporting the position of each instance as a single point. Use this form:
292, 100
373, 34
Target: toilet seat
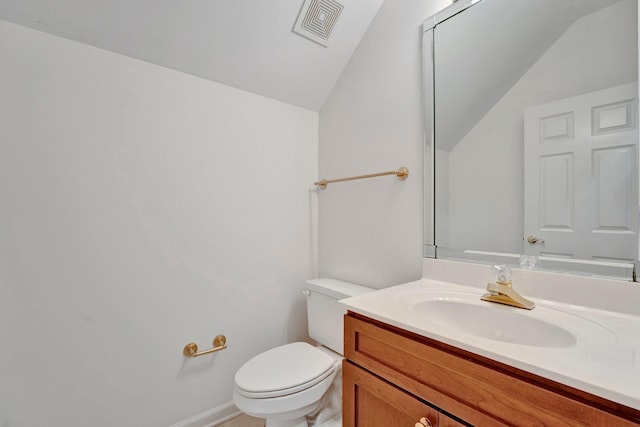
283, 370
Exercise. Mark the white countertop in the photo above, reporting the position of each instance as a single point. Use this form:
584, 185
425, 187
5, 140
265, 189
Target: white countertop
602, 357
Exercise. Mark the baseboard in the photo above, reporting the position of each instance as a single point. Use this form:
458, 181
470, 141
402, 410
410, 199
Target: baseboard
212, 417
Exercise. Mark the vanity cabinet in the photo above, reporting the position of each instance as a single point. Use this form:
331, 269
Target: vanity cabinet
392, 377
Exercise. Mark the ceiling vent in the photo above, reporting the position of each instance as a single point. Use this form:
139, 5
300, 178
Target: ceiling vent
317, 19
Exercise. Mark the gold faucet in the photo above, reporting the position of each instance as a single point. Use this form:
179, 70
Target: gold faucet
502, 292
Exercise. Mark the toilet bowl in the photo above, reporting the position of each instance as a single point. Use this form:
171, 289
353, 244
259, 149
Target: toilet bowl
297, 384
285, 384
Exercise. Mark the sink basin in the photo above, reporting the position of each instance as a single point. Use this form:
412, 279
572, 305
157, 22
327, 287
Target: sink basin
494, 322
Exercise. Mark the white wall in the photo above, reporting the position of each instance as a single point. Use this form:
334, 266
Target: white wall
488, 176
141, 209
371, 231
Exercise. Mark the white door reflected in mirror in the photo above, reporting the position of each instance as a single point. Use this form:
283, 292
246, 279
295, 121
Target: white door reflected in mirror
581, 176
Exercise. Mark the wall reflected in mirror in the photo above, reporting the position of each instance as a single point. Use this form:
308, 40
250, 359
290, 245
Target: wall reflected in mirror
536, 133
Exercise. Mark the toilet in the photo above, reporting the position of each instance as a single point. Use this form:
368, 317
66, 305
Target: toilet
297, 384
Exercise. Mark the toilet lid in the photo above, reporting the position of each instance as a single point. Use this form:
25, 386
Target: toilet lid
284, 368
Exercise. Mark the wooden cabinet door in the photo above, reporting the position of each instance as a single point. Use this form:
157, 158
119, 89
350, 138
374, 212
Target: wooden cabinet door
369, 401
444, 421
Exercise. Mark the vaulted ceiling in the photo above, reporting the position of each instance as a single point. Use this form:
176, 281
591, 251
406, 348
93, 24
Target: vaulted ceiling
494, 43
248, 44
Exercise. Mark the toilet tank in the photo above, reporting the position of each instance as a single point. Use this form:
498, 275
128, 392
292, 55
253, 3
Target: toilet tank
325, 314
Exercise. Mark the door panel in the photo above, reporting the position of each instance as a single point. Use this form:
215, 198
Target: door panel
581, 176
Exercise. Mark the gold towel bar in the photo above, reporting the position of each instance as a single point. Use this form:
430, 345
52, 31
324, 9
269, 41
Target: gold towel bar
402, 174
191, 349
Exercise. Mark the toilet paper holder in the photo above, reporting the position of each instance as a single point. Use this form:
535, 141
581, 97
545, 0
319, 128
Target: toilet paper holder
191, 349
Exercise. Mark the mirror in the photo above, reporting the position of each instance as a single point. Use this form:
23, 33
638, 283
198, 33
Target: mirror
532, 108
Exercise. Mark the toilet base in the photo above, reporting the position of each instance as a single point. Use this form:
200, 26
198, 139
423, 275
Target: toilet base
333, 422
298, 422
302, 422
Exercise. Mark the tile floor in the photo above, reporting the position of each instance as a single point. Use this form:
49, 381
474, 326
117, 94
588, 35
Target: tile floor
243, 421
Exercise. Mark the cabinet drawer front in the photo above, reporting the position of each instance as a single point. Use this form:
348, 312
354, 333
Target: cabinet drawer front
373, 402
465, 387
